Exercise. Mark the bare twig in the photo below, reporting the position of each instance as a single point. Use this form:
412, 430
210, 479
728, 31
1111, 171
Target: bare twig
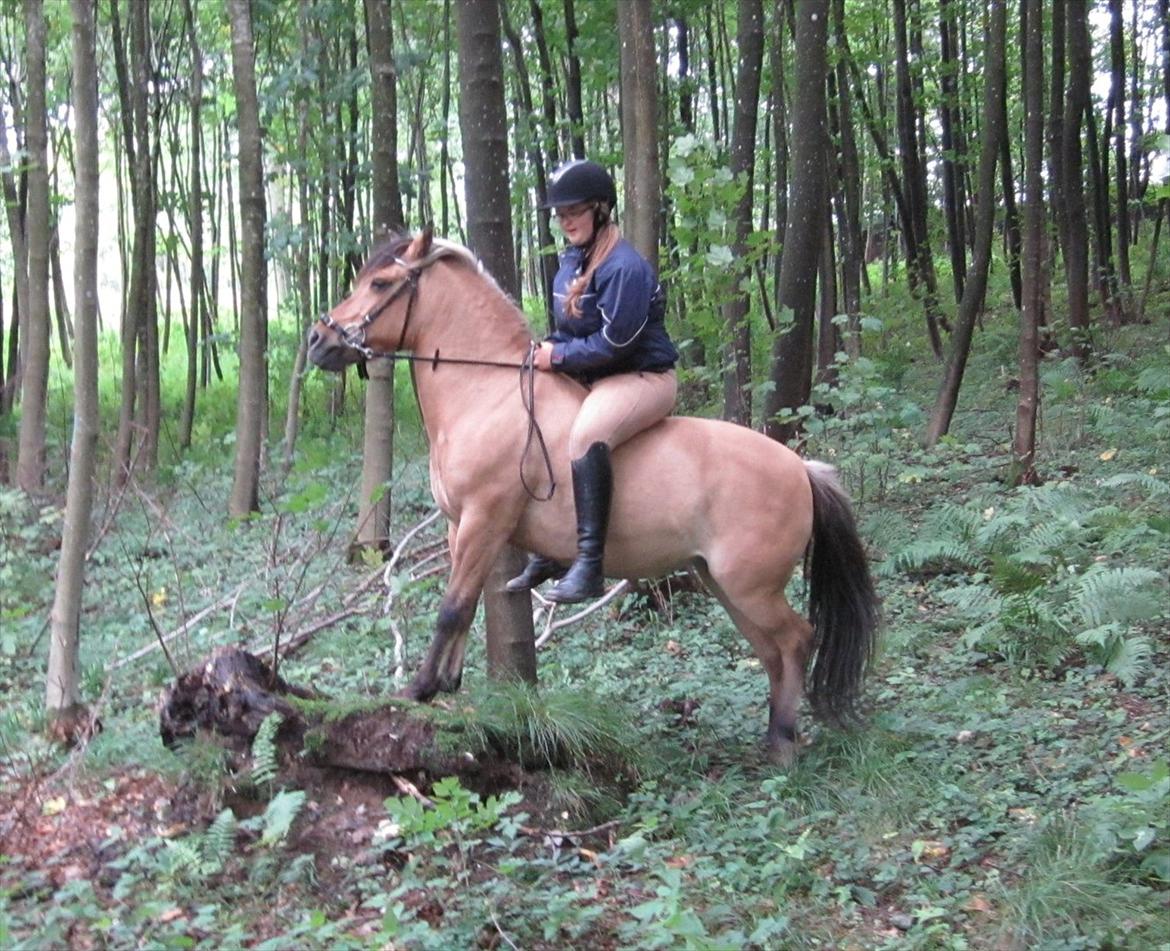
150, 612
177, 632
407, 788
298, 640
502, 933
387, 581
549, 627
535, 832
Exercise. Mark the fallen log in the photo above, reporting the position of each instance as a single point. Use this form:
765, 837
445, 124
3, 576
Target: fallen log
230, 694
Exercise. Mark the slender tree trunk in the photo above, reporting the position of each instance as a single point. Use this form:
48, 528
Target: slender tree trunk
195, 223
20, 289
737, 377
252, 400
1076, 253
828, 333
387, 198
304, 267
1054, 133
62, 684
1011, 214
712, 79
852, 253
1032, 312
60, 304
573, 87
976, 284
951, 174
529, 134
1121, 159
792, 350
642, 204
374, 506
30, 460
511, 645
914, 177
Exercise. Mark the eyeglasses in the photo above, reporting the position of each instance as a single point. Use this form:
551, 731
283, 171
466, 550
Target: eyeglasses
576, 211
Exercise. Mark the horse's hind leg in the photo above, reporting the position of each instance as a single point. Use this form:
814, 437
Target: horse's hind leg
782, 640
476, 541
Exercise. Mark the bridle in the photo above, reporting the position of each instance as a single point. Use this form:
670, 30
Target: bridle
354, 337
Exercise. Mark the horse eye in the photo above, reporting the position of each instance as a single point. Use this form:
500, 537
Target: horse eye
379, 285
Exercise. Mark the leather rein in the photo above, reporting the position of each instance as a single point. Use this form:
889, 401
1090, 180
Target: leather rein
354, 337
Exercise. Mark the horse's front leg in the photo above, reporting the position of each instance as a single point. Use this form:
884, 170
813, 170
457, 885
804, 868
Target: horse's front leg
476, 541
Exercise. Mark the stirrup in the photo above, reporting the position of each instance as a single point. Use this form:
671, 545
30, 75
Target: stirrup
538, 570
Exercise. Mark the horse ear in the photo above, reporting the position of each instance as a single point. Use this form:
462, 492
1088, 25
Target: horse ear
421, 245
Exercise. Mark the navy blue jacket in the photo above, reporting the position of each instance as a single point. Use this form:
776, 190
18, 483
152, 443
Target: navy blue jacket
621, 328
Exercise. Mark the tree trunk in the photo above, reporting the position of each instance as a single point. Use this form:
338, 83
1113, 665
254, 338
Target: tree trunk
792, 350
374, 503
529, 134
1054, 134
252, 399
62, 684
642, 198
1011, 214
951, 173
60, 304
511, 646
852, 254
147, 378
737, 377
195, 224
976, 283
573, 87
304, 268
1121, 171
1076, 253
20, 290
914, 178
30, 460
1032, 312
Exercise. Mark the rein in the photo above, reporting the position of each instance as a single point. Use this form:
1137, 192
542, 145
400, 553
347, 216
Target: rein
355, 338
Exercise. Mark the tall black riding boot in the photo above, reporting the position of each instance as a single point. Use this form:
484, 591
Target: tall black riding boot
592, 493
538, 570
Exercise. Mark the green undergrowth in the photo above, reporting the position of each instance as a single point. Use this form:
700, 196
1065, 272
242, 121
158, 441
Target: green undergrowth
1009, 789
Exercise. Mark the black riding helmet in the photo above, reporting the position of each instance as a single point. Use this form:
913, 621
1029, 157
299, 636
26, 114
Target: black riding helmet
580, 180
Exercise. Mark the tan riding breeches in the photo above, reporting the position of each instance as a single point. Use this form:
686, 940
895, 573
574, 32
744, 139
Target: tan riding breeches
621, 406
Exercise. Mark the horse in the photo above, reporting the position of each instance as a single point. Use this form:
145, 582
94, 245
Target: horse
736, 506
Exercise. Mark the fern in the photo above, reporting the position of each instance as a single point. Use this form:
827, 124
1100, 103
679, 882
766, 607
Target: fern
265, 762
1118, 594
280, 815
1144, 480
218, 842
198, 856
935, 555
1130, 658
974, 601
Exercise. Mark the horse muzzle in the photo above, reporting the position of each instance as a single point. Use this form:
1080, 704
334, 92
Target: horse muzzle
328, 351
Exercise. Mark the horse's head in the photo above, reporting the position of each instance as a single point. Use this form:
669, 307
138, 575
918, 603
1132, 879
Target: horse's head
374, 318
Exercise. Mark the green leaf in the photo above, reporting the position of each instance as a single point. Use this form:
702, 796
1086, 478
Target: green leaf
280, 815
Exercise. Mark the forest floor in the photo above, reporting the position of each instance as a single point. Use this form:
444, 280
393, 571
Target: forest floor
1009, 789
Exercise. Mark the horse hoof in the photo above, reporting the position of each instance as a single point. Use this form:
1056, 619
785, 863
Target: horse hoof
782, 753
418, 692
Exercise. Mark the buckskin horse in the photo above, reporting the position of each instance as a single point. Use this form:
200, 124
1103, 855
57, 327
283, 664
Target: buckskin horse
738, 507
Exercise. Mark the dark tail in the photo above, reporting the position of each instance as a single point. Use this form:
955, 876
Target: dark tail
843, 606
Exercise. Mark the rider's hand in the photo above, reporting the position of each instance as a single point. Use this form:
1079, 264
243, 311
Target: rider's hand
542, 358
